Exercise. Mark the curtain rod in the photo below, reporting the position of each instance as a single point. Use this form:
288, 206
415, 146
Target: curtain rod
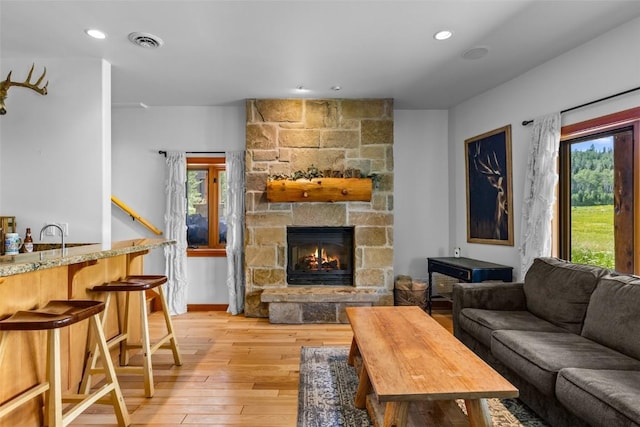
527, 122
164, 152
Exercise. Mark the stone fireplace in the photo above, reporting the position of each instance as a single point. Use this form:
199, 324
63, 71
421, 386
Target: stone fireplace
284, 136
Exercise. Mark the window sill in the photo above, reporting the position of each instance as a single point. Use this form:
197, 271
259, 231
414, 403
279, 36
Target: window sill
207, 252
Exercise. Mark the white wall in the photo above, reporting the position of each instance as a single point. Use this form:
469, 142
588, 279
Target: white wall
421, 193
55, 148
138, 177
604, 66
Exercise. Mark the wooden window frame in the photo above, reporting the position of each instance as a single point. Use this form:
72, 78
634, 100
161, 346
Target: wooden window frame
215, 165
624, 119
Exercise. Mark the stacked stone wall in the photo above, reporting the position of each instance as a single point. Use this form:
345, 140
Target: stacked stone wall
289, 135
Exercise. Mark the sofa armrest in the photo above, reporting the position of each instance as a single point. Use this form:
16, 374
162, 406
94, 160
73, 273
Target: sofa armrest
487, 296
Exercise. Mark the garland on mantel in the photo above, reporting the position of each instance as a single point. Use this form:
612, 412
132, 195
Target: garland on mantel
313, 172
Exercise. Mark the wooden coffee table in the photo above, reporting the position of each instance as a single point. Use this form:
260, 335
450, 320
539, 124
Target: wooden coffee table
408, 357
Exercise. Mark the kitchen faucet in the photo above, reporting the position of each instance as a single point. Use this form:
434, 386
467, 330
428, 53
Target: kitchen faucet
61, 233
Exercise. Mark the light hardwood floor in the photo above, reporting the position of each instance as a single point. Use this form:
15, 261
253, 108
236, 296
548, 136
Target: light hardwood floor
236, 371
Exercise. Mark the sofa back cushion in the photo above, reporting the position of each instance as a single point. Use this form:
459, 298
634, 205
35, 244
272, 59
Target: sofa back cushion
613, 316
558, 291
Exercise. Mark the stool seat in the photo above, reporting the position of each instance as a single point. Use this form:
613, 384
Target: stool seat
132, 284
56, 314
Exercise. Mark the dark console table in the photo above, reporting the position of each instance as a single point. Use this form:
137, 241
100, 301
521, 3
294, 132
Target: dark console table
466, 270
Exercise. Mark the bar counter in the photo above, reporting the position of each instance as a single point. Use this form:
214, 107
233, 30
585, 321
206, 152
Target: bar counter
29, 281
24, 263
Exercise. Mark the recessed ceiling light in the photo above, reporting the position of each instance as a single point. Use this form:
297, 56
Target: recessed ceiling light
336, 88
96, 34
443, 35
301, 88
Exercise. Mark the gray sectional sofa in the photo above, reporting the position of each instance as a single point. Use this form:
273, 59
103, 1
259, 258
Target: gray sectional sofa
568, 337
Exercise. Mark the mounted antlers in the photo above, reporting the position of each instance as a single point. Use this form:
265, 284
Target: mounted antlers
5, 85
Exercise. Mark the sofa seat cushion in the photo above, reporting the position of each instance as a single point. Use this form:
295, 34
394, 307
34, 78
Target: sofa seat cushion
559, 291
538, 356
612, 317
480, 324
603, 397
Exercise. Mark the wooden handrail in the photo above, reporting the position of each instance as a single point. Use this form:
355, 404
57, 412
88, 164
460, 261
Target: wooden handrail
134, 215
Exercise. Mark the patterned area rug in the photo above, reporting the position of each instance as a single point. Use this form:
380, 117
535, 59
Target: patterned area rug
328, 386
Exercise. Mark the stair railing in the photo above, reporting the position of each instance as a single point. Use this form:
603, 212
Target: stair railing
134, 215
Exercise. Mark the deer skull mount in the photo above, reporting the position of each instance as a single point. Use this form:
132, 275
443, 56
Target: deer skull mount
7, 83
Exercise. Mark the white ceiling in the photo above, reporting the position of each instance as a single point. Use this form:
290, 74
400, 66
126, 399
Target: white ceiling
221, 52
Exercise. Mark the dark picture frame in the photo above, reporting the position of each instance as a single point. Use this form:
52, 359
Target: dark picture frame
489, 192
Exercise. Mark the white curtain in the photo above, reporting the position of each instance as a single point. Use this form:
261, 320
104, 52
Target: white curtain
539, 192
235, 230
175, 218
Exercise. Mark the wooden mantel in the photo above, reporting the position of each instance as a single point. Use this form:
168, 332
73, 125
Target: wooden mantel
319, 190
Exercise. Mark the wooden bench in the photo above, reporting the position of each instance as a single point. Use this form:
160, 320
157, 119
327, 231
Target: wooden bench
408, 357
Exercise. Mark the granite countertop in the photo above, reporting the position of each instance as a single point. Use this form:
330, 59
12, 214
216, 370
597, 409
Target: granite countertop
24, 263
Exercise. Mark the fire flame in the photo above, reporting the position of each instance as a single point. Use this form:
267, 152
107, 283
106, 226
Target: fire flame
326, 261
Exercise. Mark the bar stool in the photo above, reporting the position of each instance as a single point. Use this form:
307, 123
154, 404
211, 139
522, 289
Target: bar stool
130, 284
52, 317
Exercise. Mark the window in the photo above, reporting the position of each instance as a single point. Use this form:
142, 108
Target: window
599, 172
206, 210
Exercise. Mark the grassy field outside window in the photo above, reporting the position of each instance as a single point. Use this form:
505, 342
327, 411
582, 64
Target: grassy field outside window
592, 241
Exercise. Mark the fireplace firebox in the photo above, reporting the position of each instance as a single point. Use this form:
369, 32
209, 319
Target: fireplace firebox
320, 256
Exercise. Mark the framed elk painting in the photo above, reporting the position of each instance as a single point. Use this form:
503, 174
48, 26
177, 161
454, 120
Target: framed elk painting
489, 199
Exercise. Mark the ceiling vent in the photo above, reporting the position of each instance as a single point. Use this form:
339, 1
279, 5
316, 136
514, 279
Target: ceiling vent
146, 40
